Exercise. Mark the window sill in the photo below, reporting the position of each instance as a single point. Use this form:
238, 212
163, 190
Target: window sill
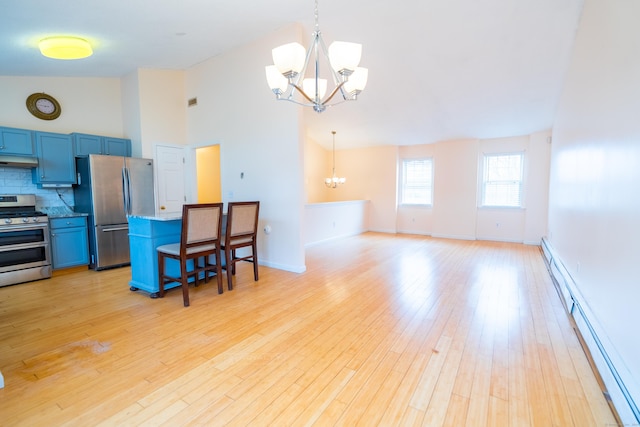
502, 208
415, 205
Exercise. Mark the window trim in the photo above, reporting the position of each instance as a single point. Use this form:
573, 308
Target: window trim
430, 184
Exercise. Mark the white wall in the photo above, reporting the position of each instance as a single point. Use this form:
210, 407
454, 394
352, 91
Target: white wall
594, 207
317, 167
163, 108
130, 89
371, 174
261, 146
327, 221
455, 170
89, 105
155, 109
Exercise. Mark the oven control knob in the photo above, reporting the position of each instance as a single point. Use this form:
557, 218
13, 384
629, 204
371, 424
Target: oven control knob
25, 219
35, 219
7, 221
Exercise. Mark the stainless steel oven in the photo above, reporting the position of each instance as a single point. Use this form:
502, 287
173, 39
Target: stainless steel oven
24, 240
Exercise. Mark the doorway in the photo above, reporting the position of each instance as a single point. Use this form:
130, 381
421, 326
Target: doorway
208, 174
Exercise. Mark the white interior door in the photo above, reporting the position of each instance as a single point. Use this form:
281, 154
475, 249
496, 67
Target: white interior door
170, 175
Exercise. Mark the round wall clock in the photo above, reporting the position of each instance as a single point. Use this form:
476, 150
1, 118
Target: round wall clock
43, 106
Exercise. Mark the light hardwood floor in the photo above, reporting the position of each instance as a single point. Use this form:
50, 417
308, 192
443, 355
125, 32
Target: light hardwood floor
381, 330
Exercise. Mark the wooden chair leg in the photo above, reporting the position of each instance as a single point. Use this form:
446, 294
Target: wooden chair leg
229, 261
255, 261
185, 283
219, 275
233, 264
205, 259
160, 275
196, 276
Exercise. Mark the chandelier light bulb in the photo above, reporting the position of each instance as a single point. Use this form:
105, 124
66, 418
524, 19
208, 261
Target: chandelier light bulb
344, 56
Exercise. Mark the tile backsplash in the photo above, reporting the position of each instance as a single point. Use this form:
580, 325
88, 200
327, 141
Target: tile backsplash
18, 181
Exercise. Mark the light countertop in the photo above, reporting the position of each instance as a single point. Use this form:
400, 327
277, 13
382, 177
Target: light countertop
156, 218
61, 212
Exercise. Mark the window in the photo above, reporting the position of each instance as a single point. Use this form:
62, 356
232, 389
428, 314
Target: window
502, 180
417, 182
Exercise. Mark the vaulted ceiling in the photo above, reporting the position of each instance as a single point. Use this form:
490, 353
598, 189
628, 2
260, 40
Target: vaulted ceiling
438, 69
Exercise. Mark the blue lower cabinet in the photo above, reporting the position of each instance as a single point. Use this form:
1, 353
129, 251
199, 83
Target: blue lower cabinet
69, 242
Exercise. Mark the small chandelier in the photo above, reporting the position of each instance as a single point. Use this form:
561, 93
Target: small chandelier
291, 63
334, 181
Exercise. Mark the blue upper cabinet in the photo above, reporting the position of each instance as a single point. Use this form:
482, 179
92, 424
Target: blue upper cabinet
56, 161
16, 142
117, 146
86, 144
94, 144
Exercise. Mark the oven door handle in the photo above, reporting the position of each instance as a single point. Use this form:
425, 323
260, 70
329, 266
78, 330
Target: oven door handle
104, 230
20, 246
23, 227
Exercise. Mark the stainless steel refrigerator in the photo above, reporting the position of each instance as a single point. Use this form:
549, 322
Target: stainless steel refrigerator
110, 188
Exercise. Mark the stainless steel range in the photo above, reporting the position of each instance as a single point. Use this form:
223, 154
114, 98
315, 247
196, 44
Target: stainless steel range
24, 240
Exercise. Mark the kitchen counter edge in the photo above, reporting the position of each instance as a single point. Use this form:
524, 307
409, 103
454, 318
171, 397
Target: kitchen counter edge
66, 215
156, 218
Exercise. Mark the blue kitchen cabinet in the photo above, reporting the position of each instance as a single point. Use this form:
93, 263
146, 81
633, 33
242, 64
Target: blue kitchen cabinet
16, 142
56, 161
117, 146
86, 144
69, 242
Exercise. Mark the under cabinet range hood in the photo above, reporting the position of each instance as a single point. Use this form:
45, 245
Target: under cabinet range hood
18, 161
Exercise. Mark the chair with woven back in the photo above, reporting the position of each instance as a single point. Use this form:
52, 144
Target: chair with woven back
241, 232
199, 249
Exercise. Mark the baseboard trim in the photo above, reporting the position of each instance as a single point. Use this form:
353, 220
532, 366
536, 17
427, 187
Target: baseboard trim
285, 267
612, 384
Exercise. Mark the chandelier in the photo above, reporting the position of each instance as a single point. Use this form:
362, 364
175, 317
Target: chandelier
291, 62
334, 181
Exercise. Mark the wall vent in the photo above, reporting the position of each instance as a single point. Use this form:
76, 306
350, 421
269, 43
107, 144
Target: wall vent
192, 102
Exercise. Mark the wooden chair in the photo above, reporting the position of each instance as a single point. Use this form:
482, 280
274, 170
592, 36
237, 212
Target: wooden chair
241, 231
200, 239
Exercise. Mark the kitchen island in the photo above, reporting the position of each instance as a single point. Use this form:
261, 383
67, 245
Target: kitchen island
146, 233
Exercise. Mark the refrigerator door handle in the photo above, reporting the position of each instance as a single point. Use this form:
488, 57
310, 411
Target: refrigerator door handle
104, 230
125, 191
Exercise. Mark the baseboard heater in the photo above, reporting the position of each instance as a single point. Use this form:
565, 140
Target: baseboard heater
614, 389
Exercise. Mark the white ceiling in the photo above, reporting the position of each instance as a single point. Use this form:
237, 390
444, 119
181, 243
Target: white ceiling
438, 69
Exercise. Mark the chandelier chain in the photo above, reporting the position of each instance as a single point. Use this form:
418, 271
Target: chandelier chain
334, 181
334, 152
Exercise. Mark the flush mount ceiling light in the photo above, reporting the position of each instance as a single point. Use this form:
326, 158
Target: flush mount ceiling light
65, 47
334, 181
290, 64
